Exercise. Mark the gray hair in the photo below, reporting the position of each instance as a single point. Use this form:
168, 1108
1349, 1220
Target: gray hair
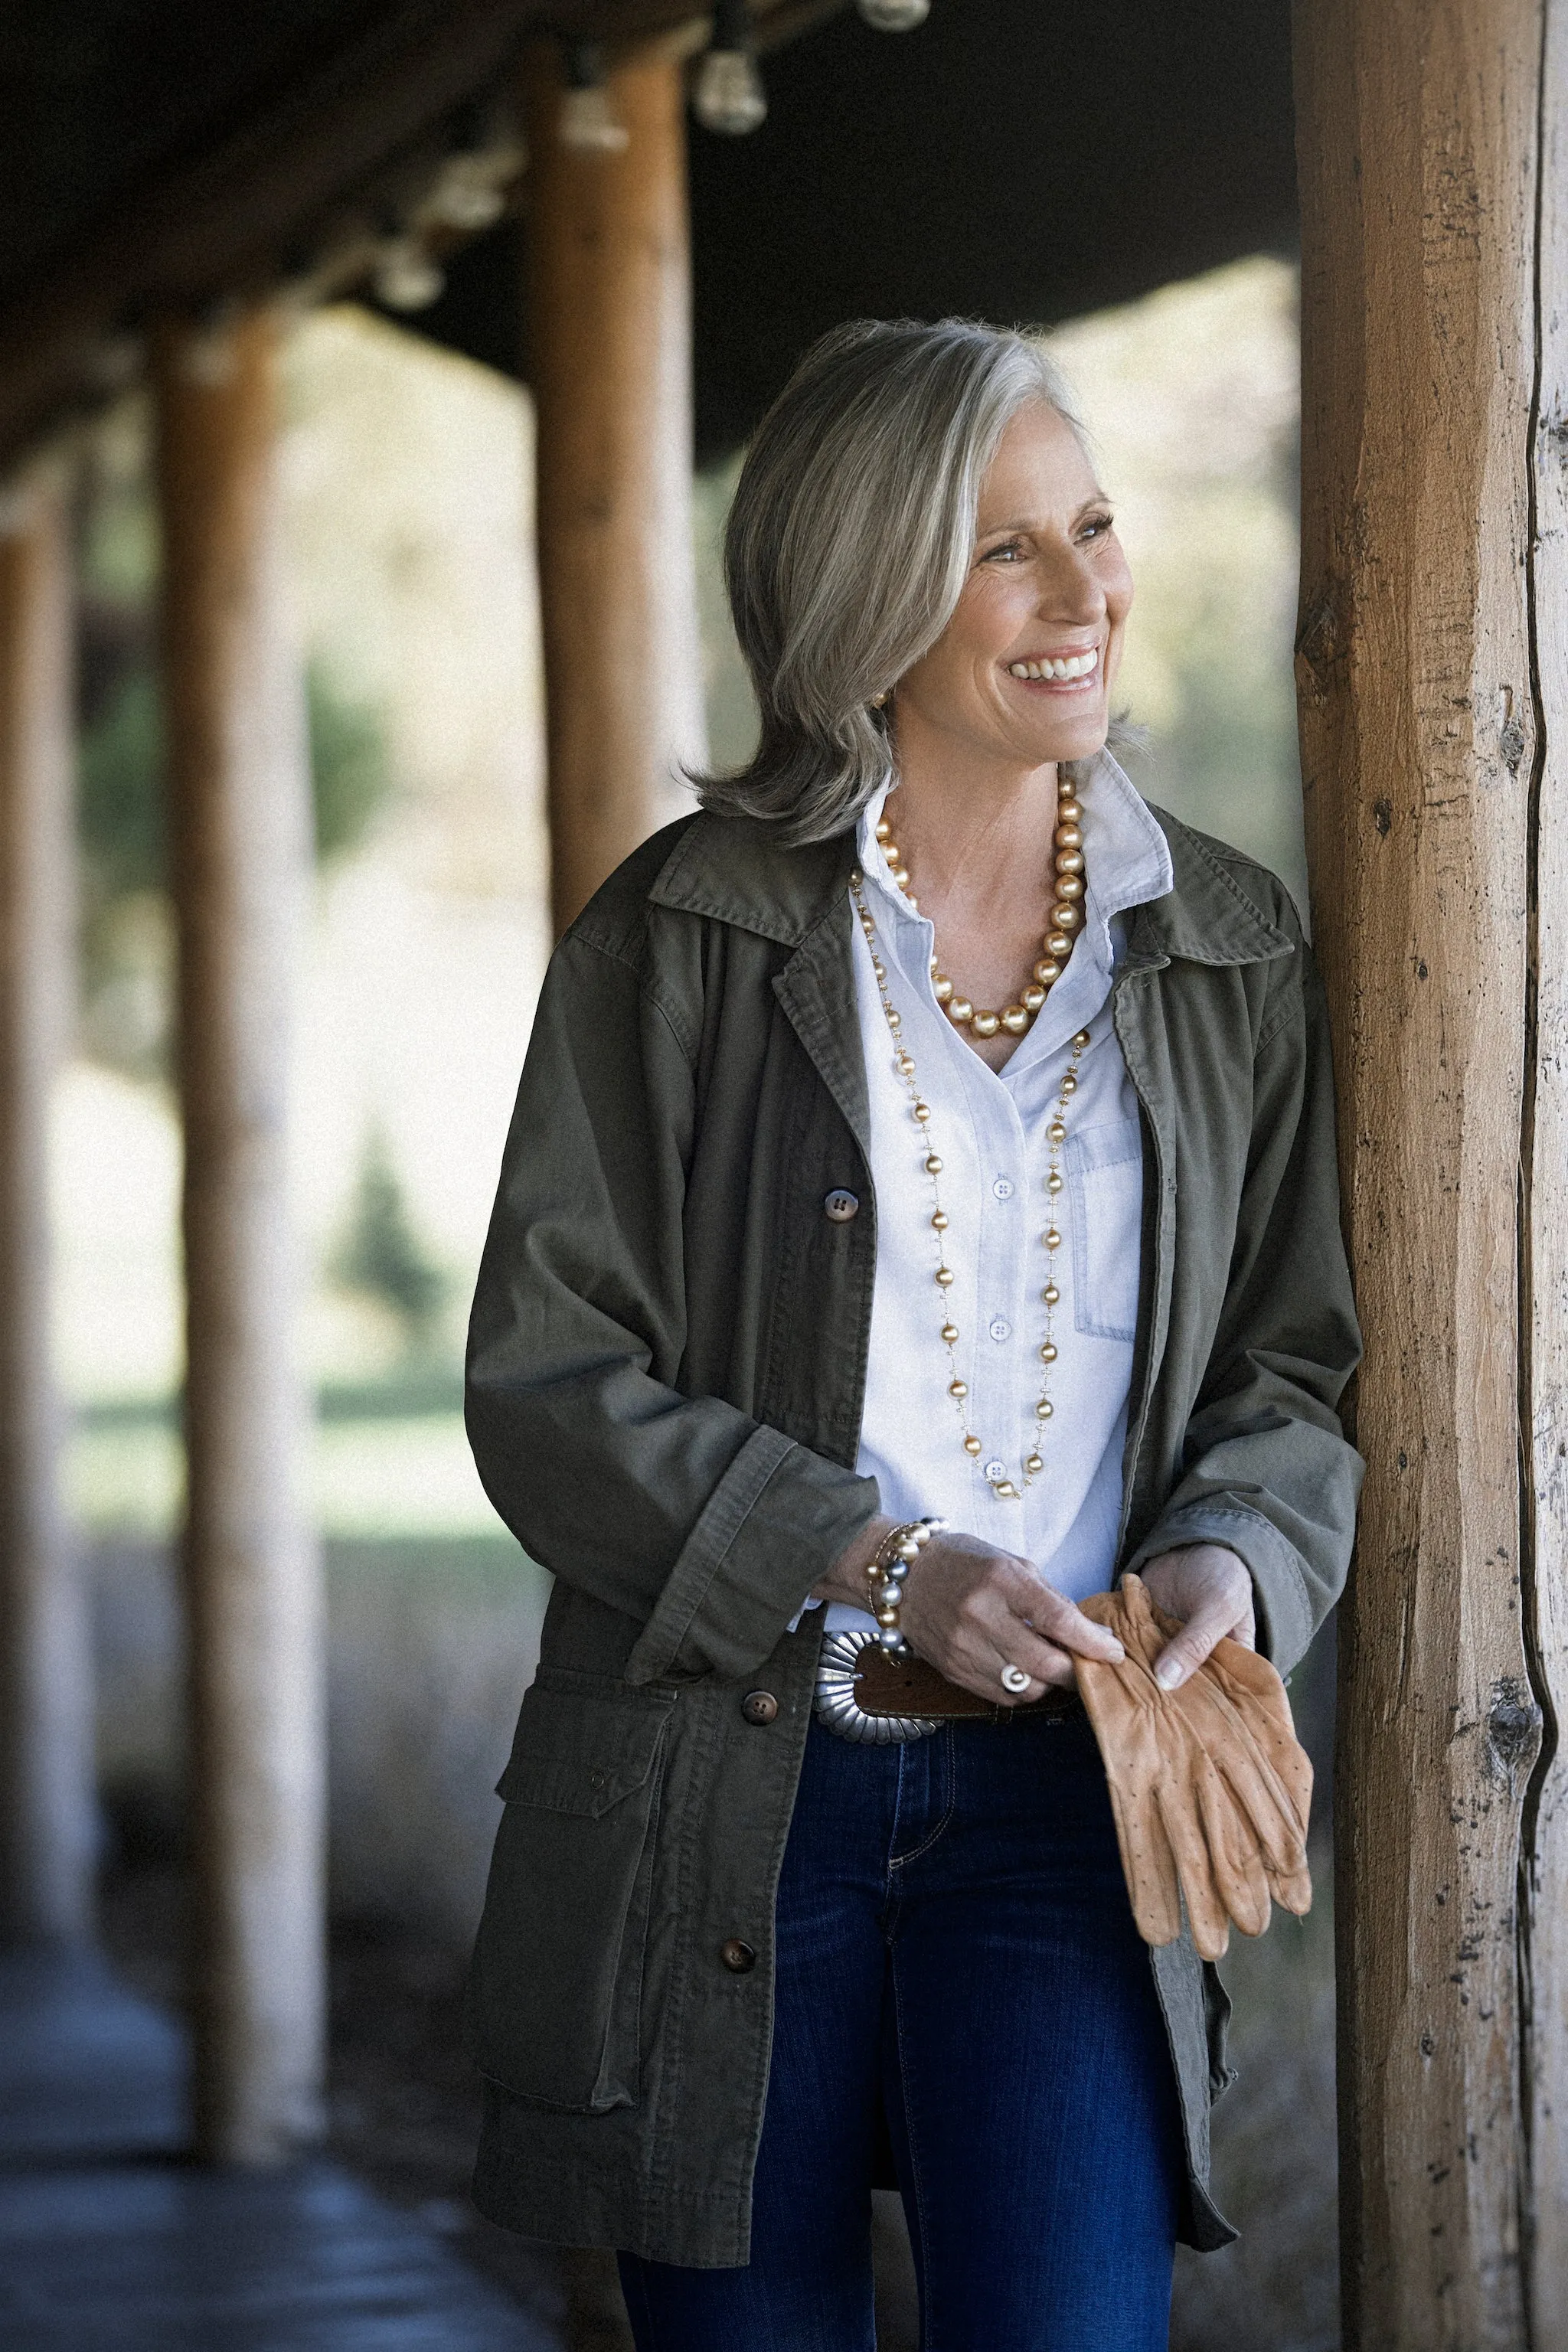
849, 541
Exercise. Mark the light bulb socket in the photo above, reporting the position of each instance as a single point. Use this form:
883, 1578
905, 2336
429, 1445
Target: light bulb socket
726, 93
585, 65
587, 124
894, 15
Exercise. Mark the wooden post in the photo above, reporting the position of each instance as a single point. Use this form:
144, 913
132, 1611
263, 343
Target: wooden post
610, 342
1432, 644
240, 836
47, 1806
1544, 1180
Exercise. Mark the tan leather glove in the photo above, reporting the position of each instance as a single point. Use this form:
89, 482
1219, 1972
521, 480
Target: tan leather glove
1209, 1785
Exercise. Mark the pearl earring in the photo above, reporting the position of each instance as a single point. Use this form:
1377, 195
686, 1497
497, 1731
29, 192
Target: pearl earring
878, 700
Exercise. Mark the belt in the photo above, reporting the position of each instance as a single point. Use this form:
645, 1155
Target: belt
865, 1694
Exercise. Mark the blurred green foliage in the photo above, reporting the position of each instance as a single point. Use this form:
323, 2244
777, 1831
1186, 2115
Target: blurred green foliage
121, 780
120, 791
381, 1255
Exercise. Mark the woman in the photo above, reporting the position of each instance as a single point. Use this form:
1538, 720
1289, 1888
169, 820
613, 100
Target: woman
928, 1130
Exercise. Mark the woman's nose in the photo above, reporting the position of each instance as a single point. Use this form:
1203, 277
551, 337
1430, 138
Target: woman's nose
1070, 592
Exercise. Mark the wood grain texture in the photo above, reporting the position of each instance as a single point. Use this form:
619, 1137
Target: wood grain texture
1416, 129
1544, 1262
610, 323
239, 835
48, 1808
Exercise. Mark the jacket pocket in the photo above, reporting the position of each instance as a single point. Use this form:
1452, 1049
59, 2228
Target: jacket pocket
557, 1966
1105, 1172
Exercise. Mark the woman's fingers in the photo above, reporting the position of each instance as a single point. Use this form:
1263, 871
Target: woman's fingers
1052, 1614
973, 1611
977, 1655
1209, 1589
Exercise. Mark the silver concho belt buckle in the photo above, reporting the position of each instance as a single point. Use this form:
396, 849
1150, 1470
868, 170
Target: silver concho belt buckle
835, 1704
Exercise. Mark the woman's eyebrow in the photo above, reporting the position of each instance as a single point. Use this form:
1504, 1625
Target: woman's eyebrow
1029, 522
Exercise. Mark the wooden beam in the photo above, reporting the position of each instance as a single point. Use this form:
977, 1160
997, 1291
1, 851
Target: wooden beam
609, 316
239, 846
46, 1803
1544, 1168
1437, 879
223, 220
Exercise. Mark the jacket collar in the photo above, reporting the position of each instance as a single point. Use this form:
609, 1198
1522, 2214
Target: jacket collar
1207, 916
735, 870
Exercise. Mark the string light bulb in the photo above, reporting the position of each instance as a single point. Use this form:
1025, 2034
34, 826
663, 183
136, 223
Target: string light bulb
727, 94
894, 15
586, 124
468, 195
406, 279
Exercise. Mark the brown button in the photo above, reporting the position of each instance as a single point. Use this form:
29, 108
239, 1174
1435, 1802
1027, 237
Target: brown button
759, 1706
737, 1957
841, 1206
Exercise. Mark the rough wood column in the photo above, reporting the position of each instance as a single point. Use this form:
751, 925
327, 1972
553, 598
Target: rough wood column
47, 1804
240, 837
609, 316
1544, 1160
1426, 654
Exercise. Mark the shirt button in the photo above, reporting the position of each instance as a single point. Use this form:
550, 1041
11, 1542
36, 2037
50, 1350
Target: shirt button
737, 1957
759, 1706
841, 1206
1003, 1188
994, 1470
1000, 1328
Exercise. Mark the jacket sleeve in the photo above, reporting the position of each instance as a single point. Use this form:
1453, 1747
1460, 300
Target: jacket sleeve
706, 1526
1266, 1469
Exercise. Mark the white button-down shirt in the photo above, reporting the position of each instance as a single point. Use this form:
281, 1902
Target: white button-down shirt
989, 1127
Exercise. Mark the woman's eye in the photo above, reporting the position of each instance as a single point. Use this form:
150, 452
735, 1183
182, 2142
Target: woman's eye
1097, 525
1008, 554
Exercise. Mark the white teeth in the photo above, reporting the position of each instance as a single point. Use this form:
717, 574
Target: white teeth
1069, 665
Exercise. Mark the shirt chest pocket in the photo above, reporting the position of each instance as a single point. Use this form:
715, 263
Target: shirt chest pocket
1105, 1188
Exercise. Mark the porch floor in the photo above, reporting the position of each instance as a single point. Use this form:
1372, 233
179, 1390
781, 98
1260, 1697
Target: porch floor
112, 2241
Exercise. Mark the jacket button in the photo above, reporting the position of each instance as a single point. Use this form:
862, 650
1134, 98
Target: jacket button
737, 1957
759, 1706
841, 1206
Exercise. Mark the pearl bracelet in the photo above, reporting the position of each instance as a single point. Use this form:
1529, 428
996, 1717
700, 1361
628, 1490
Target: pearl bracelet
896, 1555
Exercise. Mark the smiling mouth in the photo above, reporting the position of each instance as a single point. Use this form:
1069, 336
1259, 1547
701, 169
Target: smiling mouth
1068, 668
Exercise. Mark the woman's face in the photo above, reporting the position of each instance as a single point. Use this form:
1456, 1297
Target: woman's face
1048, 591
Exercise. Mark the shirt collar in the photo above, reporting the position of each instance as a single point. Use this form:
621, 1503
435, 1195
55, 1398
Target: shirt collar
1127, 858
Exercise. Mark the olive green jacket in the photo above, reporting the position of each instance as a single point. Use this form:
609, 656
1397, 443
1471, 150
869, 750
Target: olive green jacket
665, 1370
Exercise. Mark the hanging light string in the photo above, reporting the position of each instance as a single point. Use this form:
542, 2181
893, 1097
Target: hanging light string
726, 93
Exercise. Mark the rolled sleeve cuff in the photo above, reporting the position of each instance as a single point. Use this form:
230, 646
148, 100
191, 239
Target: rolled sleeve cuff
776, 1521
1285, 1620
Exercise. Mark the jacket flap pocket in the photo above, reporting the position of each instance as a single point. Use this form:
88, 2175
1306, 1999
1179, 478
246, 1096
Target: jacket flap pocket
577, 1754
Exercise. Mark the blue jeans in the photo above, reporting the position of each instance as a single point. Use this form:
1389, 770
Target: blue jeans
955, 1950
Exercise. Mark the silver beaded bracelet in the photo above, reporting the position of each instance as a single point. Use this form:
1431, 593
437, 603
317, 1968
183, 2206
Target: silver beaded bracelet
896, 1555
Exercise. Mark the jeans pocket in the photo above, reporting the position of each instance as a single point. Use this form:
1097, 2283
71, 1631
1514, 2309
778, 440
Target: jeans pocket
556, 1993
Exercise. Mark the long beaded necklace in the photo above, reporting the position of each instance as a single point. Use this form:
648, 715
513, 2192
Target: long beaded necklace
1066, 920
1002, 1487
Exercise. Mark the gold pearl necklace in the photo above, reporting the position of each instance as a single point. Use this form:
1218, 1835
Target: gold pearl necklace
1003, 1488
1066, 919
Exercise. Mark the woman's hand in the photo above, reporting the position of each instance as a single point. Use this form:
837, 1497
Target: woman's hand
970, 1610
1208, 1587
